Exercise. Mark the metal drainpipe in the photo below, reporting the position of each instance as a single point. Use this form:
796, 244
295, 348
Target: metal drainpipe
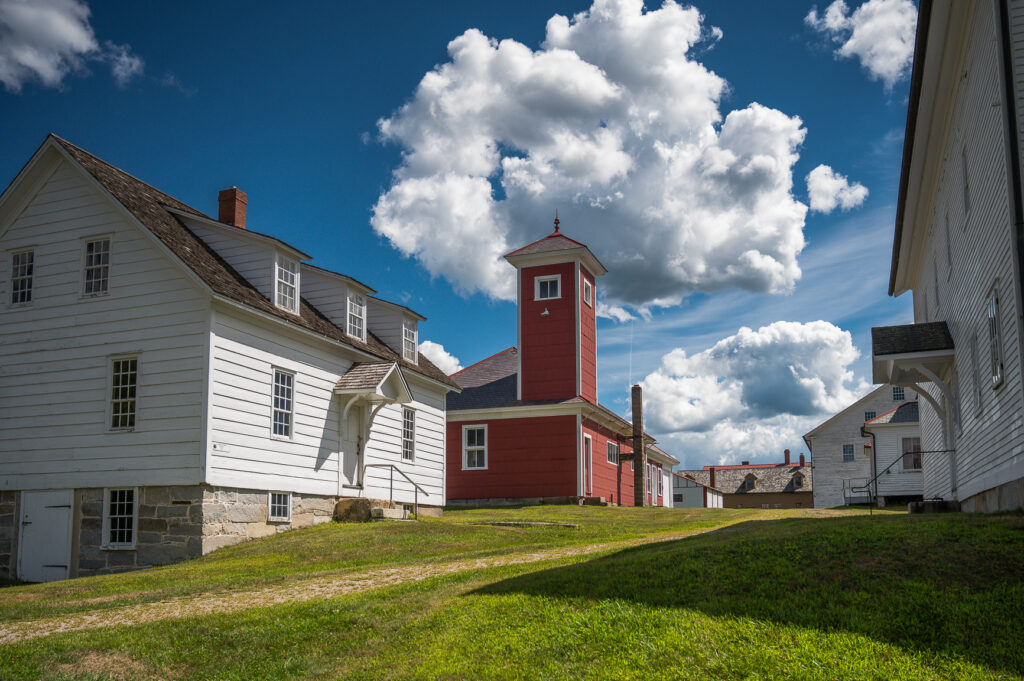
864, 432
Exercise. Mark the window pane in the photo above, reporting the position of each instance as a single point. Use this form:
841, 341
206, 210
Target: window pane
282, 404
97, 261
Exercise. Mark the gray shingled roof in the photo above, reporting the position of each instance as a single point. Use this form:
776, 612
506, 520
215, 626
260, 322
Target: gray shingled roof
771, 479
364, 376
147, 203
491, 383
897, 340
905, 413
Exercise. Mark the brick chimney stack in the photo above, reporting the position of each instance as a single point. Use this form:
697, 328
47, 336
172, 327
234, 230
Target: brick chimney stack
711, 482
639, 452
802, 462
231, 206
786, 452
744, 463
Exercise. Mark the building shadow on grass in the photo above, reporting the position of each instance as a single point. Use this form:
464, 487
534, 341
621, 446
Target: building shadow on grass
951, 585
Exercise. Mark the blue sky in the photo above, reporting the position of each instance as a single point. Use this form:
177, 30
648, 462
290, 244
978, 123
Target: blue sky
601, 115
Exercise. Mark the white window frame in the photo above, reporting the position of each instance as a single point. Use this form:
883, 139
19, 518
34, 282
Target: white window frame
661, 482
874, 414
284, 268
588, 462
547, 277
476, 448
410, 338
612, 452
902, 393
904, 452
108, 545
588, 292
271, 518
356, 310
852, 454
132, 398
87, 266
16, 277
274, 409
408, 434
995, 338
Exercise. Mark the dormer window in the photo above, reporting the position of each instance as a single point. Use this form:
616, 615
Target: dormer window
357, 316
547, 288
287, 286
798, 481
749, 483
409, 340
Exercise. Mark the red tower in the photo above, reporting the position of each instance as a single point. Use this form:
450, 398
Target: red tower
557, 323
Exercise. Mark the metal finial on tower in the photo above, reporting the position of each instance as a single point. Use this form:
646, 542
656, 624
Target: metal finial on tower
556, 220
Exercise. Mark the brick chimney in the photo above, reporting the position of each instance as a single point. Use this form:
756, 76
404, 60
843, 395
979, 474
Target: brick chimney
639, 452
744, 463
786, 453
802, 462
231, 206
711, 482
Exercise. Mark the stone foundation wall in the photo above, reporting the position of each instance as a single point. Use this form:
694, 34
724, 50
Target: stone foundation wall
232, 515
8, 533
1006, 497
169, 530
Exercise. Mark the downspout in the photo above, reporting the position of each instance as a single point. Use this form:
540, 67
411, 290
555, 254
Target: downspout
1012, 152
864, 432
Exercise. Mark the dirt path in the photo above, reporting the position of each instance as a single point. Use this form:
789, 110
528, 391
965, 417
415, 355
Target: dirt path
294, 592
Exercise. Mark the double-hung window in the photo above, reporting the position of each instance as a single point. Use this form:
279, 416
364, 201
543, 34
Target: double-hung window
613, 453
22, 265
661, 482
474, 447
96, 275
847, 453
357, 316
124, 382
284, 401
911, 453
287, 284
119, 518
408, 434
898, 394
868, 415
547, 288
995, 341
409, 340
279, 506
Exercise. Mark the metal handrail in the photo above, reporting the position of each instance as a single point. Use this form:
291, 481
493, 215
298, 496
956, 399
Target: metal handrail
899, 459
391, 490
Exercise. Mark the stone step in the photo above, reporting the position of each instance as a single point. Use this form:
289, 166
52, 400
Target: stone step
388, 514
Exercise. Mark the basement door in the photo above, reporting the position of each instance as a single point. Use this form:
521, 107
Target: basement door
44, 547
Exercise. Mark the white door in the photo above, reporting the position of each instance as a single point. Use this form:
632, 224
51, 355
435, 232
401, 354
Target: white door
44, 548
352, 442
588, 466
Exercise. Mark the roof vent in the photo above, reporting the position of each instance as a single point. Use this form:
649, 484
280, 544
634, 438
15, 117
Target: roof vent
231, 208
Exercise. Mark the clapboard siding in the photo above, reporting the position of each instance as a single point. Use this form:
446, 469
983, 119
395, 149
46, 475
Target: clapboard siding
975, 226
386, 323
251, 258
831, 473
327, 294
245, 352
55, 356
889, 446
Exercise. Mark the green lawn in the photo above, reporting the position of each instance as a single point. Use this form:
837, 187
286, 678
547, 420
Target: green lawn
777, 594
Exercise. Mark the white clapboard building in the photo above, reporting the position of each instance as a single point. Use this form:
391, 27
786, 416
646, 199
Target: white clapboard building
850, 466
171, 383
958, 246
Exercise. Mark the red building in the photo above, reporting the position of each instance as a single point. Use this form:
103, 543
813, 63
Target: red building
527, 425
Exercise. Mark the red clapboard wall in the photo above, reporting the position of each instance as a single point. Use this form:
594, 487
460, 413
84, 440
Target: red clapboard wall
614, 483
527, 457
588, 340
548, 341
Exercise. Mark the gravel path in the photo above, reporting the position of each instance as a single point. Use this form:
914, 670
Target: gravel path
292, 592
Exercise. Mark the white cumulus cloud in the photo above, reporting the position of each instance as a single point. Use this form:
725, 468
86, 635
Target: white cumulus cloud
444, 360
828, 190
880, 33
45, 40
615, 123
752, 387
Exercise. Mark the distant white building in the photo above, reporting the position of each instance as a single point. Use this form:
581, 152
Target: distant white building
688, 493
897, 454
171, 383
958, 246
842, 457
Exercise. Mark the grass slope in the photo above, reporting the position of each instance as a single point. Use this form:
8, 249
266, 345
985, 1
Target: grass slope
794, 595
